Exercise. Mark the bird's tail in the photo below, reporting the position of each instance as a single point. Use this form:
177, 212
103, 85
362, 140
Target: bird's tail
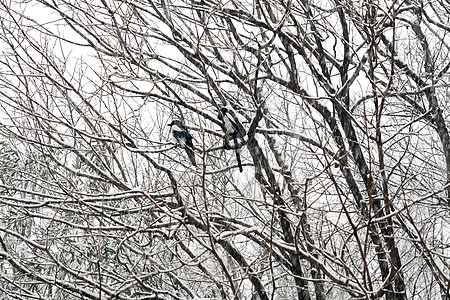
238, 156
191, 155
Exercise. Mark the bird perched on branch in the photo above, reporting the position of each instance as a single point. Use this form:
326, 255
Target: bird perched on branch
183, 138
232, 129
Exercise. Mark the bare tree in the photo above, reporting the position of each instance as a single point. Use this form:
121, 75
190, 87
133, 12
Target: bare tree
335, 111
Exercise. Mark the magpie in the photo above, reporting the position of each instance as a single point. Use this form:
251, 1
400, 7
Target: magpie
183, 138
230, 123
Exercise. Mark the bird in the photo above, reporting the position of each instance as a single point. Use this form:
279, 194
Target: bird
183, 138
232, 129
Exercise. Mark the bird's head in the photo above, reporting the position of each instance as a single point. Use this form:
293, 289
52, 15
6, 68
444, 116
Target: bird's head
176, 123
